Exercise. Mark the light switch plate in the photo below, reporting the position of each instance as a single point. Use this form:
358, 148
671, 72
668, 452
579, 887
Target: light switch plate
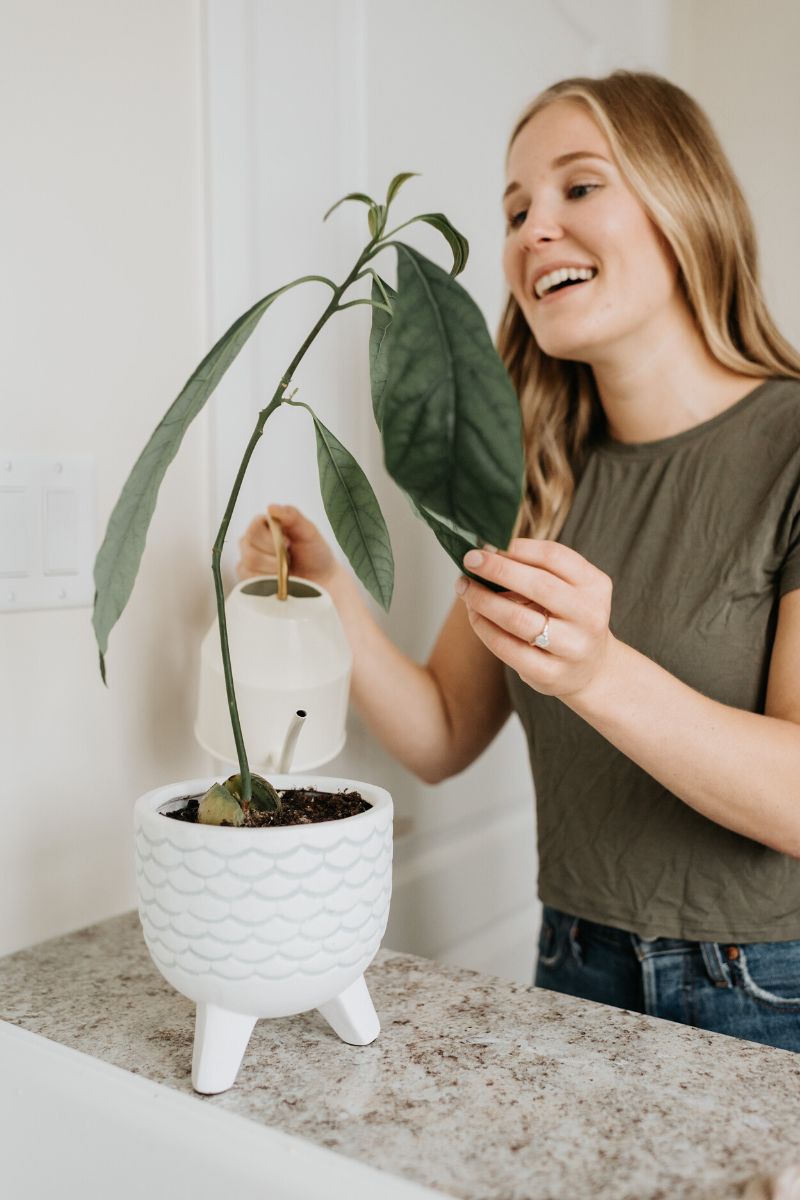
47, 531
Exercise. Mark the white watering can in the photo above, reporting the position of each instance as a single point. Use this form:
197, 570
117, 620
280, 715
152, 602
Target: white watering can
291, 664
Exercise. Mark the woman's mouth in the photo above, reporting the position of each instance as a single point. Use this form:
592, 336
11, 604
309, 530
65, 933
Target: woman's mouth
562, 280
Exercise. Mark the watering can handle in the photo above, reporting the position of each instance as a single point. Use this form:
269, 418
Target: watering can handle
283, 556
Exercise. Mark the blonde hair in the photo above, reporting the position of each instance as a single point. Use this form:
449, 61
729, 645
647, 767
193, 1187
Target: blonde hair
671, 158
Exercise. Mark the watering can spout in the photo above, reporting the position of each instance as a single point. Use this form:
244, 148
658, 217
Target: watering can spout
290, 741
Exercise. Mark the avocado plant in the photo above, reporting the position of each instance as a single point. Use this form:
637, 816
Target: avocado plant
449, 421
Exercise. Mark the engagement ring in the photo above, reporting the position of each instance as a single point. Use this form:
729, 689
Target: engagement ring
543, 639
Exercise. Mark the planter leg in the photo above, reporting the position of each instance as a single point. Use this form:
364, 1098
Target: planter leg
220, 1040
352, 1015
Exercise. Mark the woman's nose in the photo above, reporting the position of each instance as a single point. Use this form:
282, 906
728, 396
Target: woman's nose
540, 225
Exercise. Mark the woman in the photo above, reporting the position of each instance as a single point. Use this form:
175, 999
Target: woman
649, 636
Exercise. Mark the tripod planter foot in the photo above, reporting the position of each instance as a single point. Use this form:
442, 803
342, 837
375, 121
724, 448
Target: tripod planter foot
352, 1014
220, 1040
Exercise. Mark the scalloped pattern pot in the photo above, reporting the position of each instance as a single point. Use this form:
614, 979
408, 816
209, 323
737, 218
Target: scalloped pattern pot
267, 922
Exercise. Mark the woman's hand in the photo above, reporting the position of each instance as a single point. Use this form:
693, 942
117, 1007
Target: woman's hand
544, 579
310, 556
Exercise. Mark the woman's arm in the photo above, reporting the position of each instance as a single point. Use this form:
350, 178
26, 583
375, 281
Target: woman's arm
437, 718
737, 768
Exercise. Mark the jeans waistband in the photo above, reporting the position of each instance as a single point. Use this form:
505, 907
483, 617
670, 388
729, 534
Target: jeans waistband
643, 947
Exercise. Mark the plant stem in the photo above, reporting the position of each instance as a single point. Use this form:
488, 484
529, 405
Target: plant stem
216, 554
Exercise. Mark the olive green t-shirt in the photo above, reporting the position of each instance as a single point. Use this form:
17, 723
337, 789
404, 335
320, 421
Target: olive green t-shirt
700, 534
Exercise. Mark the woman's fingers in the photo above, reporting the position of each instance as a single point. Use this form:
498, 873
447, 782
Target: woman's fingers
296, 527
257, 535
520, 618
545, 586
257, 554
531, 582
559, 560
310, 556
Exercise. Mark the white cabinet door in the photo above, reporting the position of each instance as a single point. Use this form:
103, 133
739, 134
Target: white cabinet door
306, 102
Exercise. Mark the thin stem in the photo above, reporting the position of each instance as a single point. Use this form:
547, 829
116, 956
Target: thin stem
382, 288
318, 279
382, 245
216, 554
397, 229
369, 271
372, 303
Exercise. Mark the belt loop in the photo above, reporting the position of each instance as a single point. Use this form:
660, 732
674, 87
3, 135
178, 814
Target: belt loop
574, 944
715, 964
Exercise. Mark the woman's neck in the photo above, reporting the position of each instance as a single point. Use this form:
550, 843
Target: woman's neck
666, 384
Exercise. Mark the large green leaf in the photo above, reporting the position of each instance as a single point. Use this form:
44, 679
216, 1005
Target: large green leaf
379, 347
354, 514
451, 423
119, 556
454, 540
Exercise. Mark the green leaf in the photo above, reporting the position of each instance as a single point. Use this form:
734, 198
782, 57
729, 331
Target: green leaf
361, 196
376, 219
451, 423
456, 241
119, 556
397, 183
379, 341
354, 514
454, 540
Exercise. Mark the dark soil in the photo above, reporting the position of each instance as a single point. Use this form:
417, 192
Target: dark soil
300, 806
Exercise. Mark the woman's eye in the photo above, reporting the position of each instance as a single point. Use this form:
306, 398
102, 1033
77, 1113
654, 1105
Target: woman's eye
581, 187
516, 219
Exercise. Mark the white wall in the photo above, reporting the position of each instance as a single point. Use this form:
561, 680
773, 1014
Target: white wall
739, 60
102, 313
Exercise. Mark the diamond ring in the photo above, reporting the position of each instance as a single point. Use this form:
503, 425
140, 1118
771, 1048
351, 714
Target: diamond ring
542, 641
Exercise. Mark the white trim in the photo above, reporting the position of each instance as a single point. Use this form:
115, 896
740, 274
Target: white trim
231, 195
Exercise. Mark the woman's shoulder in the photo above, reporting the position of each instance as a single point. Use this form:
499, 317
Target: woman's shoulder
775, 408
781, 390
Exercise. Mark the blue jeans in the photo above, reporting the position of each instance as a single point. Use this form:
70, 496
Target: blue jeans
750, 990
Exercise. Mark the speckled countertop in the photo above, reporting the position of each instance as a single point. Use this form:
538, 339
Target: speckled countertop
479, 1088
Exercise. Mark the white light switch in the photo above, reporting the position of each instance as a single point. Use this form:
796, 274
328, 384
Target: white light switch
47, 535
61, 543
15, 542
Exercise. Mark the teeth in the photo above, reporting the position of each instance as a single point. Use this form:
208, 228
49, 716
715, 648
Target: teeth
549, 281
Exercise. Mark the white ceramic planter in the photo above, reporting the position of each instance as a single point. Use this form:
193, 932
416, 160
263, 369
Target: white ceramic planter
253, 923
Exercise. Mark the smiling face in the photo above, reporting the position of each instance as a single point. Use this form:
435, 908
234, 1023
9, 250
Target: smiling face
579, 212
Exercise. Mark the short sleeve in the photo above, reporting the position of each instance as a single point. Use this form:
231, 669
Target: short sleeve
790, 569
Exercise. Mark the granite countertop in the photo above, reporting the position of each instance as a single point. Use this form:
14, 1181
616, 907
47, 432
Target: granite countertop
479, 1088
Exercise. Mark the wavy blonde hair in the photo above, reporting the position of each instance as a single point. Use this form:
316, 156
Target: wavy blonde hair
670, 157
